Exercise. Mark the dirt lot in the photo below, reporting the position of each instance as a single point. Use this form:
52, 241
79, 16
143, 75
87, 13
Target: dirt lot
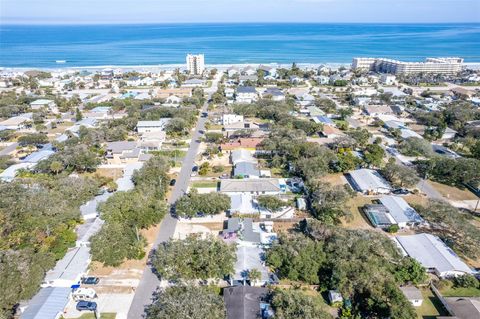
113, 173
453, 193
335, 179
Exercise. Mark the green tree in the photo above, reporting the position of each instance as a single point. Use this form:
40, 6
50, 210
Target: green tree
193, 302
210, 204
78, 115
115, 243
327, 202
32, 139
56, 167
399, 175
194, 258
289, 304
410, 271
296, 258
466, 281
415, 146
374, 155
271, 203
254, 275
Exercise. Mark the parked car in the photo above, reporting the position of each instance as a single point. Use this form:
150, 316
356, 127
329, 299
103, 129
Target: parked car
90, 280
401, 191
172, 182
86, 305
204, 114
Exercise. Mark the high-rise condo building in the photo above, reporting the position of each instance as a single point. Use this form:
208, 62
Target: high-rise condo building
431, 65
195, 63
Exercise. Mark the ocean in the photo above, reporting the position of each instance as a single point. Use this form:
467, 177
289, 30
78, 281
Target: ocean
97, 45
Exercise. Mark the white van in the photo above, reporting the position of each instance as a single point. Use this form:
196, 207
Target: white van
87, 294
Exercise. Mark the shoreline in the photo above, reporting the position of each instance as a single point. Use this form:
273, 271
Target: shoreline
167, 67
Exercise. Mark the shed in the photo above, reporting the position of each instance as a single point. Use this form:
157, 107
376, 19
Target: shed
413, 294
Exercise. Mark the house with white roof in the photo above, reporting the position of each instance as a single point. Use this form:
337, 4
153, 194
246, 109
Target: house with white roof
43, 103
231, 118
152, 126
369, 181
433, 254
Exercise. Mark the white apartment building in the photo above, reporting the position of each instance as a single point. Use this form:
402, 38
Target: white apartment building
431, 65
195, 63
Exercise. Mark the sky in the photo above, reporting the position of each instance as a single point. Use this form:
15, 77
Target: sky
189, 11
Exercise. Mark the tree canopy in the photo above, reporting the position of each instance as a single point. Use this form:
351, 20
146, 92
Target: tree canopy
194, 258
193, 302
289, 304
210, 204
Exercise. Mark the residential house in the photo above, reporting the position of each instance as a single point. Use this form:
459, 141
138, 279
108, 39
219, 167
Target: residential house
246, 302
232, 127
433, 254
261, 186
392, 210
152, 141
48, 303
232, 71
274, 93
86, 122
331, 132
270, 71
44, 104
242, 155
228, 119
180, 92
246, 170
173, 101
249, 71
124, 152
17, 122
377, 110
388, 79
246, 143
462, 307
368, 181
193, 83
449, 134
242, 79
246, 94
152, 126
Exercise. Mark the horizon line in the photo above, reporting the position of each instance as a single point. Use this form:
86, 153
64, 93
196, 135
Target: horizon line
220, 22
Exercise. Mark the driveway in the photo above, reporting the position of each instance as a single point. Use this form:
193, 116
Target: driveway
149, 282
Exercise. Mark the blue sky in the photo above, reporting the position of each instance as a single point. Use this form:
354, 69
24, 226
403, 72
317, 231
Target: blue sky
171, 11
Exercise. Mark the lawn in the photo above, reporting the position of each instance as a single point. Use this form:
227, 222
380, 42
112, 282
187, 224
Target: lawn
460, 292
453, 193
358, 220
205, 184
431, 306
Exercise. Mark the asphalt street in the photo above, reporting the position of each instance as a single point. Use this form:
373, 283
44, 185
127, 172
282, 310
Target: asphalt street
149, 281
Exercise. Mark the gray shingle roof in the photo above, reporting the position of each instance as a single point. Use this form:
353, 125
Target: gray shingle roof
250, 185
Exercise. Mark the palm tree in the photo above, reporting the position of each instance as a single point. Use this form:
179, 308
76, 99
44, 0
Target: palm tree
56, 167
254, 275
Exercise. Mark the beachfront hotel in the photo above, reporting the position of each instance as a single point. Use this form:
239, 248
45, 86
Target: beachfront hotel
431, 65
195, 63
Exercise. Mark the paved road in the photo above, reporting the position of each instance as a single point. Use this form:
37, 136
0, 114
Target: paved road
8, 149
149, 281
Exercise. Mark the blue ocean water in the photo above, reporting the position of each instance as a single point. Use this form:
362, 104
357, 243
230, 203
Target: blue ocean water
41, 46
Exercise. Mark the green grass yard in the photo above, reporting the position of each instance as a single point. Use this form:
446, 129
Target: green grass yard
431, 306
